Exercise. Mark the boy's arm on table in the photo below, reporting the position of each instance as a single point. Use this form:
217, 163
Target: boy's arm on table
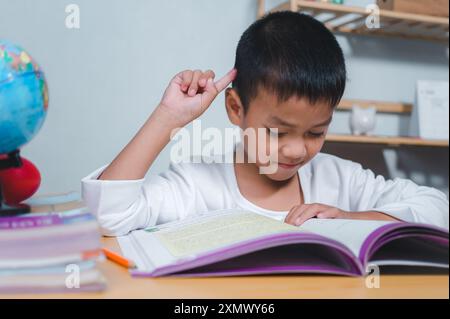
399, 198
125, 205
374, 198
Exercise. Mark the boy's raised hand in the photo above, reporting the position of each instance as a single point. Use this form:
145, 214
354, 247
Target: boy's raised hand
190, 93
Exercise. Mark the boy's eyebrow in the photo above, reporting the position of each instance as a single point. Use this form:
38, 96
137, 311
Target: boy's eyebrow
325, 123
277, 121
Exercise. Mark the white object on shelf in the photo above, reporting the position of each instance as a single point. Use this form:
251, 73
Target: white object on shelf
429, 119
363, 120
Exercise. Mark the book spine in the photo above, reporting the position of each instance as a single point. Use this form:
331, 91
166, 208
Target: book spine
11, 223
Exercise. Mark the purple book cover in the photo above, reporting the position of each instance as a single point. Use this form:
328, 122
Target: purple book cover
391, 244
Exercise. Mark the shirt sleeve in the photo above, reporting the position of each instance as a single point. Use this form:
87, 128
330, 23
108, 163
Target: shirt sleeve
126, 205
399, 198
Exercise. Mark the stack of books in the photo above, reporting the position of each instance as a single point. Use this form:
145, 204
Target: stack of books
50, 250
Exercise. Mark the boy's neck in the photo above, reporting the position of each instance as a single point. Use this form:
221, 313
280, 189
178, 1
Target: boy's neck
265, 192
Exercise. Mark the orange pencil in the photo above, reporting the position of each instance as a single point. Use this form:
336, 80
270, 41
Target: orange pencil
115, 257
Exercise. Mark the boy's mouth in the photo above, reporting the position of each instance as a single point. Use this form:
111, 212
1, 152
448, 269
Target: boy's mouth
289, 166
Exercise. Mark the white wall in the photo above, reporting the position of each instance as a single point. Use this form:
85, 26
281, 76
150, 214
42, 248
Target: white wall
106, 77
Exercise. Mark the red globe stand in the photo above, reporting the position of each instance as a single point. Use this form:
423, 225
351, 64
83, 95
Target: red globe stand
12, 160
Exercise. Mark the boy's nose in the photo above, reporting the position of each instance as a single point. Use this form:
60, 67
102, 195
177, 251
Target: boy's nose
295, 151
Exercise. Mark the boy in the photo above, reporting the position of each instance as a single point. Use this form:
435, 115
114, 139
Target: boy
289, 77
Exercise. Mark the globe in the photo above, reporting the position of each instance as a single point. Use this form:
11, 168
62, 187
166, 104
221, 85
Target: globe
23, 97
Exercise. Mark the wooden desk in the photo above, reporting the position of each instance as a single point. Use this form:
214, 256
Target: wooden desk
122, 285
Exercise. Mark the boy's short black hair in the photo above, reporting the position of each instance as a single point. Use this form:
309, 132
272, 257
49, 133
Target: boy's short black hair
290, 54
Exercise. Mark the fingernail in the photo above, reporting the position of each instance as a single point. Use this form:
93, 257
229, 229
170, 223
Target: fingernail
320, 215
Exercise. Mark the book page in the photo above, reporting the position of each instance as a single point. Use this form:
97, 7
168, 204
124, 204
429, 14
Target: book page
166, 244
213, 232
352, 233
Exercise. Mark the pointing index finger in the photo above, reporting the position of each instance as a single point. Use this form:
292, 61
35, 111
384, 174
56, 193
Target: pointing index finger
224, 82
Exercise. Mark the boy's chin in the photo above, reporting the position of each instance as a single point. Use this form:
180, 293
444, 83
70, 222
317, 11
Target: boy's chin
280, 175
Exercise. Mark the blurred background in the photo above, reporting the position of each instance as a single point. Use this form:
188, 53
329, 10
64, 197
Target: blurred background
106, 77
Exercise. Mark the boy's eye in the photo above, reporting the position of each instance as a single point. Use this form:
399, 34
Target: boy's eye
275, 132
317, 135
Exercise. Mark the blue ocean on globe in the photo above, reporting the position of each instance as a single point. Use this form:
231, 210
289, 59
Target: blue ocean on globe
23, 97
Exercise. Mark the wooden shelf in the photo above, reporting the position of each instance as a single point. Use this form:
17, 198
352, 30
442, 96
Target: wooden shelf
384, 140
346, 19
382, 107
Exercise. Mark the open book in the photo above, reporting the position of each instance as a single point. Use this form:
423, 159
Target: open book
229, 243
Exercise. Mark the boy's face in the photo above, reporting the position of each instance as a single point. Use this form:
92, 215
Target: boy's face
302, 128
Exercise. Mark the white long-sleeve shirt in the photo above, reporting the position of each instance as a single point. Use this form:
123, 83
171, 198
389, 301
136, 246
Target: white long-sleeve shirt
191, 188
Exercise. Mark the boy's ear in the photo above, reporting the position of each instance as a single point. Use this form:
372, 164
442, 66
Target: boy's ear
235, 109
